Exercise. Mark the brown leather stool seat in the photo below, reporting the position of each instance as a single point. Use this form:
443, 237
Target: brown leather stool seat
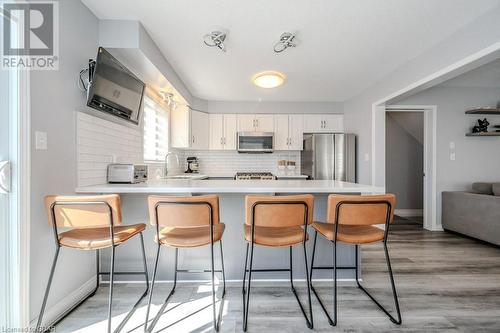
190, 237
98, 238
275, 236
351, 234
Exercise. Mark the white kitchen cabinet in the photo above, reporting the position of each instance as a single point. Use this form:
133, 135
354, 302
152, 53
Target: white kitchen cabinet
216, 131
230, 131
264, 122
180, 127
296, 131
288, 131
223, 129
255, 122
323, 123
199, 130
189, 128
246, 122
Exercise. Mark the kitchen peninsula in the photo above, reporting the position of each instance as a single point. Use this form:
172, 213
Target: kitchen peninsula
232, 210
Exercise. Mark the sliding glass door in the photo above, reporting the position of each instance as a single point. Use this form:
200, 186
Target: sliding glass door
4, 194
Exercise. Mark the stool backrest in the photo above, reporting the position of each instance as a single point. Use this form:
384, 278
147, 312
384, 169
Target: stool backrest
183, 212
361, 209
279, 211
83, 211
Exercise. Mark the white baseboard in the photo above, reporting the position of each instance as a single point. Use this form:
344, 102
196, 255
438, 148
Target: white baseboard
57, 310
409, 212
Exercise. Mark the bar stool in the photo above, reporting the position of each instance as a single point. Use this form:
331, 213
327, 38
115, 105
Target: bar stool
350, 220
93, 223
277, 222
186, 222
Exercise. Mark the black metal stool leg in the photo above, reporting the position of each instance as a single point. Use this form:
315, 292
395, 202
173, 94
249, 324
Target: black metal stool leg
214, 311
47, 289
334, 321
111, 279
395, 321
310, 323
152, 287
245, 312
164, 305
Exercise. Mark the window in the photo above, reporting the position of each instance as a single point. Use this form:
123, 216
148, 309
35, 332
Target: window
155, 131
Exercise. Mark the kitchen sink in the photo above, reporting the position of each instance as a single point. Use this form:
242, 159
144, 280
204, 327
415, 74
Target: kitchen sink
187, 177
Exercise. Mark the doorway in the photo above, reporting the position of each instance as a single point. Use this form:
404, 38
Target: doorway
404, 163
427, 166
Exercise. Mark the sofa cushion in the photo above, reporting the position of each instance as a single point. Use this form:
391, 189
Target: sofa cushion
482, 188
496, 189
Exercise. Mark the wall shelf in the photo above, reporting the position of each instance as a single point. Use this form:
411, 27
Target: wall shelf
484, 134
486, 111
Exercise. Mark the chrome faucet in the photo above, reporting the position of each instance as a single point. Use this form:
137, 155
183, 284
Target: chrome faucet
166, 161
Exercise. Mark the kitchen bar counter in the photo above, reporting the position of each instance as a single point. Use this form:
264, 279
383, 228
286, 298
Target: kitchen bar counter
233, 186
232, 212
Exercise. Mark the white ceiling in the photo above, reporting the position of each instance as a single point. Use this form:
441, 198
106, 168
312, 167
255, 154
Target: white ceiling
345, 45
486, 76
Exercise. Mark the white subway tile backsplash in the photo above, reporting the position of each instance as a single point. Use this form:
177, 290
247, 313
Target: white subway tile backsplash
100, 142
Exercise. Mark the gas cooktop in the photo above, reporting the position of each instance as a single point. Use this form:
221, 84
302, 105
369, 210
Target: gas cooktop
254, 176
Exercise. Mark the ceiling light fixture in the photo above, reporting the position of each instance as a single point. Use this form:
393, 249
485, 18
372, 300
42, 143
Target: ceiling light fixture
286, 41
215, 38
268, 79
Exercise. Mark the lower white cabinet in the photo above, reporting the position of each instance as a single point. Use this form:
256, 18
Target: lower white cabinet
223, 128
324, 123
288, 131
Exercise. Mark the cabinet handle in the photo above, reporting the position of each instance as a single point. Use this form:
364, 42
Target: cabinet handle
257, 122
193, 138
325, 123
224, 141
221, 141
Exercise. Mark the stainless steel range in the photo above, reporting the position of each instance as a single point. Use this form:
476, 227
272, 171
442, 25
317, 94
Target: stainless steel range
254, 176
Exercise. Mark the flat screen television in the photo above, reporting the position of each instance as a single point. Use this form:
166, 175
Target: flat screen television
114, 89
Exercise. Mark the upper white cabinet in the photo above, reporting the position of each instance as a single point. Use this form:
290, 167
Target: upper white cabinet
255, 122
223, 129
189, 128
323, 123
288, 131
199, 130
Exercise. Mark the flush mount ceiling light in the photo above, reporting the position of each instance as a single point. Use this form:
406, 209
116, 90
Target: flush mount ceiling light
268, 79
286, 41
215, 38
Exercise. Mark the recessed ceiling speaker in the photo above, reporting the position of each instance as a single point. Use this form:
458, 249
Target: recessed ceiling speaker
215, 39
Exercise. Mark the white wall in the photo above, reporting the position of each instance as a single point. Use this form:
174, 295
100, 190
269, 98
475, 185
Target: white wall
477, 159
479, 35
274, 107
404, 156
54, 97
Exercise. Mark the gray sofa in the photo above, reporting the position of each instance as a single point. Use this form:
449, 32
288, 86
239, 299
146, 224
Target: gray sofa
475, 214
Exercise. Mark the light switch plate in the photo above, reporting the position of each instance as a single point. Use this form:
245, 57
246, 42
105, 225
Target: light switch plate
367, 157
40, 140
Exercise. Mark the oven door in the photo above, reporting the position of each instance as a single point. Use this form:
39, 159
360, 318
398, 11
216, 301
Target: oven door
255, 142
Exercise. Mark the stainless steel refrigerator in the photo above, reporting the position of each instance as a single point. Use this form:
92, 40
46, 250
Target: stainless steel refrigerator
329, 156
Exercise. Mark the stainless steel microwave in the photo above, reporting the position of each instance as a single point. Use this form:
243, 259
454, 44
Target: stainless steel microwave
255, 142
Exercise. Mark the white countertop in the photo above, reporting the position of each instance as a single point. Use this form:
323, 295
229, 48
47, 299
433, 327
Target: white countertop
233, 186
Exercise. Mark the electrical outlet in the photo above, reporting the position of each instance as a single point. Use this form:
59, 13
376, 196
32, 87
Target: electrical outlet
40, 140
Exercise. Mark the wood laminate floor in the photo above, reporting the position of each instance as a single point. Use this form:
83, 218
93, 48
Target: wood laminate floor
445, 283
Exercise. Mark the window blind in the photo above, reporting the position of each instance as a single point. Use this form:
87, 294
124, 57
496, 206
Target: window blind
155, 131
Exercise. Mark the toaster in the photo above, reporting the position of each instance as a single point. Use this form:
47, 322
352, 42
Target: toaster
127, 173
